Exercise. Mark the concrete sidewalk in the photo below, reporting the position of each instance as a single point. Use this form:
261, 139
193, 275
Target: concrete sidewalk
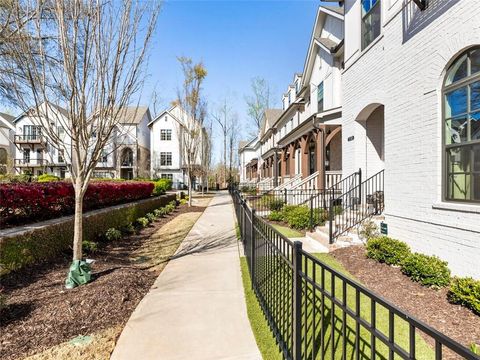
196, 308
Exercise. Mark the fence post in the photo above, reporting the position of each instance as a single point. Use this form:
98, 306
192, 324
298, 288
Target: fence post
360, 185
297, 301
311, 213
285, 195
252, 249
330, 221
242, 225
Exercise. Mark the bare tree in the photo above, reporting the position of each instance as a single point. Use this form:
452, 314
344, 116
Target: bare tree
88, 57
233, 138
222, 117
193, 110
258, 102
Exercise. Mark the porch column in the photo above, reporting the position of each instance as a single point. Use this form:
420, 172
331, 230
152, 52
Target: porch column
292, 160
304, 155
275, 169
283, 172
320, 157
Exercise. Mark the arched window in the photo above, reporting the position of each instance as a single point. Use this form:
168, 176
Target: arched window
461, 92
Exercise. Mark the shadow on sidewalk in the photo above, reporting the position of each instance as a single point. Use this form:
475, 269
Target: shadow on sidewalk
201, 245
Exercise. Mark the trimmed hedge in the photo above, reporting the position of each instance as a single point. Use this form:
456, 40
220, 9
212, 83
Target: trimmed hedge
387, 250
49, 241
29, 202
427, 270
466, 292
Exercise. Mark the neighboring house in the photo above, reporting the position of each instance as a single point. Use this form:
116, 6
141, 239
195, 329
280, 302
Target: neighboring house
248, 158
7, 147
301, 143
128, 155
411, 90
167, 158
35, 153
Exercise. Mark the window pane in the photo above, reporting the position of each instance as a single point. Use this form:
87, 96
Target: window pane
456, 130
456, 102
475, 61
371, 26
367, 5
475, 126
459, 176
458, 71
475, 96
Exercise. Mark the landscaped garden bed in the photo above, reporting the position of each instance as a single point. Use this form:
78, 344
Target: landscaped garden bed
41, 316
428, 304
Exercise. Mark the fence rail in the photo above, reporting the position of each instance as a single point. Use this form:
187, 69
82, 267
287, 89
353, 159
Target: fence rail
315, 312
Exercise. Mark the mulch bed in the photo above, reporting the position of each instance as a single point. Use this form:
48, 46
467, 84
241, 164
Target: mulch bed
41, 313
427, 304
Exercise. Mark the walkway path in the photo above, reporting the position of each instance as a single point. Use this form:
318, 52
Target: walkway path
196, 307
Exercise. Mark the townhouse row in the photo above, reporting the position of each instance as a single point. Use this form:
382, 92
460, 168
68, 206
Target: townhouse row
390, 91
140, 146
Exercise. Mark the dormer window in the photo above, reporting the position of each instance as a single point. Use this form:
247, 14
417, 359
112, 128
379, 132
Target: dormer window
297, 87
370, 21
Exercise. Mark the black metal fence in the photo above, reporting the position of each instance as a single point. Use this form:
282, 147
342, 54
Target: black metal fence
315, 312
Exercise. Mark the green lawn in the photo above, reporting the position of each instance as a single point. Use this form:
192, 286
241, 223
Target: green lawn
287, 232
269, 349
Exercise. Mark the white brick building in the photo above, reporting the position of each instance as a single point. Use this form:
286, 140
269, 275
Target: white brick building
395, 116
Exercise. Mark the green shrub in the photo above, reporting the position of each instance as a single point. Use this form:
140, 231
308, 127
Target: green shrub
276, 204
49, 242
128, 229
298, 217
338, 210
387, 250
466, 292
275, 216
9, 178
89, 246
427, 270
169, 208
183, 201
142, 222
113, 234
150, 217
161, 186
47, 178
158, 213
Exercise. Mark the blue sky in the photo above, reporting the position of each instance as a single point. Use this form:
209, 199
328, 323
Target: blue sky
236, 40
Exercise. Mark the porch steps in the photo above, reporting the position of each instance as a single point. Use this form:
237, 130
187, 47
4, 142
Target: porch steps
349, 238
310, 182
290, 183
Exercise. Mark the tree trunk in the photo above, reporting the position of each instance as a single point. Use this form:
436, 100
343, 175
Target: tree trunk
224, 159
189, 189
78, 221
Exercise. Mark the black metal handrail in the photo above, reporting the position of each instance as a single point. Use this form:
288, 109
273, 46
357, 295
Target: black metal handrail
355, 205
304, 299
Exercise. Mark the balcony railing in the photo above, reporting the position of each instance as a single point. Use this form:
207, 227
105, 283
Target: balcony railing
30, 139
30, 162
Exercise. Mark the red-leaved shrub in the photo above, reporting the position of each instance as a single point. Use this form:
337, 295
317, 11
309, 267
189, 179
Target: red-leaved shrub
29, 202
